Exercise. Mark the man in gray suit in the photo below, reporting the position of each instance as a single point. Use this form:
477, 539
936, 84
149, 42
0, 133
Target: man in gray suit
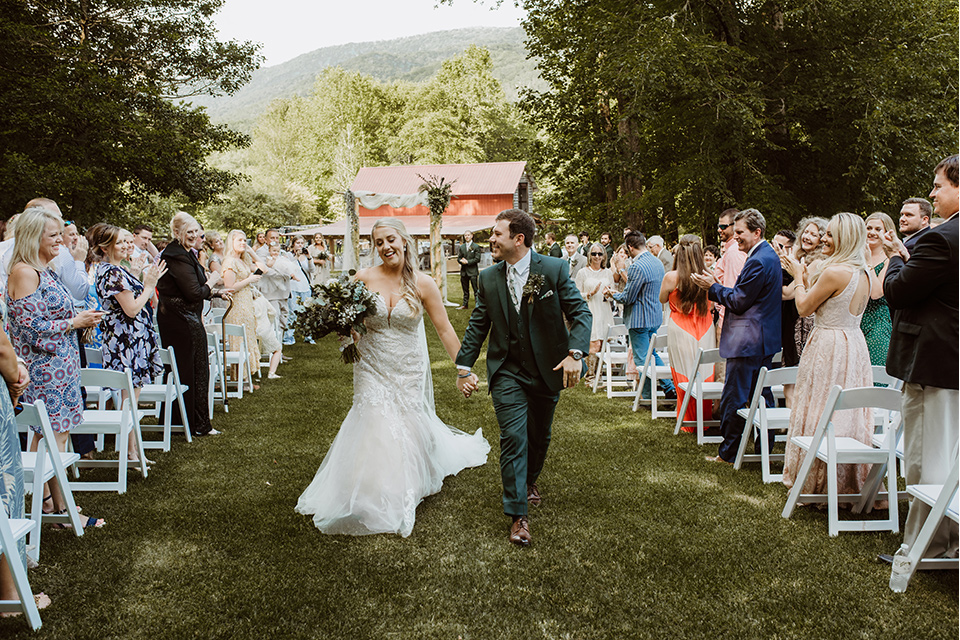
576, 259
655, 246
468, 255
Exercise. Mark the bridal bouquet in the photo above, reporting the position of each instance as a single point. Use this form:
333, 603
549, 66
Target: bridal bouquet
338, 306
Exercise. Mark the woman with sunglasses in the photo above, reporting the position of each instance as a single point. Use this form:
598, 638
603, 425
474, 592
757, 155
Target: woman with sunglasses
592, 281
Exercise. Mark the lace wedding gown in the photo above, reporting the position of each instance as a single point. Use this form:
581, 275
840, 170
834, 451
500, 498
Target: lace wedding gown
392, 450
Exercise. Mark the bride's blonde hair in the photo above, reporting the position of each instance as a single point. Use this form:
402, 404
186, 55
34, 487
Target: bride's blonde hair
408, 273
849, 233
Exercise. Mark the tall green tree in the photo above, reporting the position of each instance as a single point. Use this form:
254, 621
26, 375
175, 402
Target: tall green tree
92, 102
661, 114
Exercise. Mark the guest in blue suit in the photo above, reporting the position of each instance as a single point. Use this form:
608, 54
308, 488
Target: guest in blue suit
751, 327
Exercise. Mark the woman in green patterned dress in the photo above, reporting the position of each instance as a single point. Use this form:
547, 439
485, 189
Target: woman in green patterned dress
876, 324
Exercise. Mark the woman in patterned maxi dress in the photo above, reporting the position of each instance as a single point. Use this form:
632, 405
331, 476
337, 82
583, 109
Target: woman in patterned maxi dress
42, 321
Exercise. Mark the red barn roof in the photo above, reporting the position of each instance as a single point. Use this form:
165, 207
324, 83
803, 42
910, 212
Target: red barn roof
488, 178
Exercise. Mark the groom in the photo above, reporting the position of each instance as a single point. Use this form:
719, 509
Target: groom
521, 303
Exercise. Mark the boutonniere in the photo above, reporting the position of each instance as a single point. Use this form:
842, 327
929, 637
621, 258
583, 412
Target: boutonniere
534, 284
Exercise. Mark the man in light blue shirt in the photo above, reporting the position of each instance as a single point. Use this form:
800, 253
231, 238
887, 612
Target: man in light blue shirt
642, 311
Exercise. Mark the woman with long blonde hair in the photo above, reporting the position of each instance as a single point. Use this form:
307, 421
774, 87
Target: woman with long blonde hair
392, 449
242, 270
322, 258
690, 327
836, 291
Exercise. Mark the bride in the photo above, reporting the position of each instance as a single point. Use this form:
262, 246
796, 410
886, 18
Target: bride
392, 450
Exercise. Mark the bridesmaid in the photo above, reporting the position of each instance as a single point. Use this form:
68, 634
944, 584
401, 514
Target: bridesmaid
322, 260
876, 323
690, 327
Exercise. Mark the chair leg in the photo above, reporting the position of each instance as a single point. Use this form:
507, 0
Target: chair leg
833, 499
683, 410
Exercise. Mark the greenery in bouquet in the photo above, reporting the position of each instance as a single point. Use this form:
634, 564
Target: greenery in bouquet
339, 306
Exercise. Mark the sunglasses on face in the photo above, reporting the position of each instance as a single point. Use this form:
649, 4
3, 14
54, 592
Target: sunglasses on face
596, 254
724, 226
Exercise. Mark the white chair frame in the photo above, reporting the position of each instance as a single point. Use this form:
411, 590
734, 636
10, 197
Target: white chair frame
229, 357
42, 465
123, 423
942, 499
614, 352
162, 394
826, 446
698, 390
12, 530
650, 370
761, 419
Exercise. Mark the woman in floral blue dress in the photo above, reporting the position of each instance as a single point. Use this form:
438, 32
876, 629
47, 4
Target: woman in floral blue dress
129, 338
42, 322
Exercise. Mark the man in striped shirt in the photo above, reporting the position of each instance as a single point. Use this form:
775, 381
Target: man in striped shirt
643, 313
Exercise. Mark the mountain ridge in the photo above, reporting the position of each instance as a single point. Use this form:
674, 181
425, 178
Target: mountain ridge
411, 58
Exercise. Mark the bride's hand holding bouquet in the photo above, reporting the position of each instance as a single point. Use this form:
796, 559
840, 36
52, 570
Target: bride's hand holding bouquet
339, 306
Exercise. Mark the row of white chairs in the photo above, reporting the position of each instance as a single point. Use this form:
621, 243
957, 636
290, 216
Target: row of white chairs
771, 423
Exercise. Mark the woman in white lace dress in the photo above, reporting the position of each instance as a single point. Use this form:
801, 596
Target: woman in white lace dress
392, 449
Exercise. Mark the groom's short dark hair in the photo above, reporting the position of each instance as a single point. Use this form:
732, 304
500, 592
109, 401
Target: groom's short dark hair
520, 222
635, 239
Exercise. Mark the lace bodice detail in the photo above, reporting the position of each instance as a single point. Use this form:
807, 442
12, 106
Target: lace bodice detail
392, 356
834, 313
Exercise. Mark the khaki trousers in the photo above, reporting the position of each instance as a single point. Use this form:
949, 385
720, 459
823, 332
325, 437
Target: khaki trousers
930, 426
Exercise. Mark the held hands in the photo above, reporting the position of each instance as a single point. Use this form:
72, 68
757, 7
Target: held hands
571, 371
796, 268
467, 385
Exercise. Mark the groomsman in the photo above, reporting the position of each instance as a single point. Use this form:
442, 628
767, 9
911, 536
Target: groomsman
552, 246
521, 304
921, 288
468, 255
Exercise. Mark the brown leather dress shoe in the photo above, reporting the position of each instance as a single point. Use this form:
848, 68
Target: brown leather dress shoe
533, 495
520, 532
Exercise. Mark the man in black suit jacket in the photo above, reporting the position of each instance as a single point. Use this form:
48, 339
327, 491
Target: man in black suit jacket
914, 220
921, 286
468, 255
553, 247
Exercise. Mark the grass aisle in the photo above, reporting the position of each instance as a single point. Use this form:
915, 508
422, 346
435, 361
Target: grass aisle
637, 537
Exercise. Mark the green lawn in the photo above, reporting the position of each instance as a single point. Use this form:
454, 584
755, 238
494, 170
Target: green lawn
637, 537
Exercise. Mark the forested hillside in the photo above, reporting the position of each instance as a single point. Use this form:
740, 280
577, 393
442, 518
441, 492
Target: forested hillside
413, 59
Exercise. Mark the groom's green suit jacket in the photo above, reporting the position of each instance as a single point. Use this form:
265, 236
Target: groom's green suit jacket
545, 309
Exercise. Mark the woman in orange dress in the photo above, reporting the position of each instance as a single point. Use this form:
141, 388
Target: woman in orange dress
690, 327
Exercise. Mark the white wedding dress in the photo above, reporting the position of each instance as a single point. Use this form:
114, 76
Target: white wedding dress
392, 450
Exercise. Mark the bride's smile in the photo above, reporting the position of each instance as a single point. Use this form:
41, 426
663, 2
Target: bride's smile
390, 246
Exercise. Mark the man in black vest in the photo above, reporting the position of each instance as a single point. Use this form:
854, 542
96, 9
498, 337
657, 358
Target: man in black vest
468, 255
921, 287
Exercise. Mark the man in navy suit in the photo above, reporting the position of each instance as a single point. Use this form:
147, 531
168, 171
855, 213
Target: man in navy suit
751, 328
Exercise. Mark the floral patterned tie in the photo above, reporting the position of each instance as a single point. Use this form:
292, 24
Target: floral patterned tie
513, 276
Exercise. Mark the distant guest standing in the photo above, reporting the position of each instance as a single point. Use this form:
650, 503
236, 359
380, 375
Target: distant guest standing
468, 255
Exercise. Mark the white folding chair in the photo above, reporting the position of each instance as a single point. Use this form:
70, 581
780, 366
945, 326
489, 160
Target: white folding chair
96, 395
162, 394
11, 531
942, 499
696, 389
123, 423
833, 450
612, 362
217, 373
761, 420
215, 315
42, 465
230, 357
650, 370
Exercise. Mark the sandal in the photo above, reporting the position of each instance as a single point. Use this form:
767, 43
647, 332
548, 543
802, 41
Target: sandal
85, 521
41, 599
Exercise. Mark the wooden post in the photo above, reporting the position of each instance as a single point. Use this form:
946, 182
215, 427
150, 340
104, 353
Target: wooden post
351, 237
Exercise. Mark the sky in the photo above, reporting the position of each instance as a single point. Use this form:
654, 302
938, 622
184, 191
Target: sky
288, 28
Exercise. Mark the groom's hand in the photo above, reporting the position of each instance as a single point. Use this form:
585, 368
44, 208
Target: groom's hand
571, 371
468, 384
